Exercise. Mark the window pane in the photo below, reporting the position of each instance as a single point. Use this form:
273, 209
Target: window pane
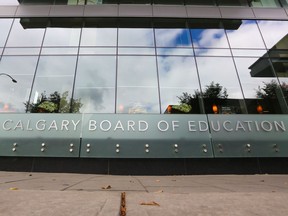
200, 2
99, 37
265, 3
5, 25
208, 34
37, 2
9, 2
173, 38
220, 86
95, 84
24, 37
178, 79
169, 2
14, 95
261, 91
137, 85
274, 33
246, 35
137, 100
54, 79
62, 37
136, 37
232, 3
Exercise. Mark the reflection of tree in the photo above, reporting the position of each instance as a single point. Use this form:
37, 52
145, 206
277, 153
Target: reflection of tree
270, 96
54, 103
271, 90
213, 94
214, 91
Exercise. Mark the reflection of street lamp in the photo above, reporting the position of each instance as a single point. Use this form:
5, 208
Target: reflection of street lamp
13, 80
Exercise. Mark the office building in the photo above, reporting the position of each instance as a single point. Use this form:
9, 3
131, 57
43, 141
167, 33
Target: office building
186, 85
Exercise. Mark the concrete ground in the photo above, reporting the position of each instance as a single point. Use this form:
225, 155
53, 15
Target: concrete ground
57, 194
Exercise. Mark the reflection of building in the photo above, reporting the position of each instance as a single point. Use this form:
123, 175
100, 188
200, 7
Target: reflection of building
278, 54
122, 57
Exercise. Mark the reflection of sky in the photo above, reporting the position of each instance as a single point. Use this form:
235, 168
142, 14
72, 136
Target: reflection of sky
62, 37
209, 38
273, 31
95, 81
5, 27
172, 38
137, 74
22, 68
20, 37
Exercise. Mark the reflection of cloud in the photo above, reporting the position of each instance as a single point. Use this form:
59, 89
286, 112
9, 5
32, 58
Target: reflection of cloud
273, 31
20, 37
214, 38
101, 100
135, 37
4, 26
62, 37
99, 37
172, 37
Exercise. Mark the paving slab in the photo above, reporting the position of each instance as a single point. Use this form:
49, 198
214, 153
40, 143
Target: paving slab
41, 194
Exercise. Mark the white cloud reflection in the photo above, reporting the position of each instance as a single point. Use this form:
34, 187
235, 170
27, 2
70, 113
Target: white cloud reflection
137, 71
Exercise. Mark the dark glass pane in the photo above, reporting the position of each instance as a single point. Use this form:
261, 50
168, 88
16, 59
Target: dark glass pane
200, 2
265, 3
169, 2
37, 2
232, 2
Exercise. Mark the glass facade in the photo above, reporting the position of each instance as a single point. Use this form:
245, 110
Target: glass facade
245, 3
154, 66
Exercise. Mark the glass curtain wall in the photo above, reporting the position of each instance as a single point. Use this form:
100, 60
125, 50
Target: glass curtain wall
241, 3
160, 66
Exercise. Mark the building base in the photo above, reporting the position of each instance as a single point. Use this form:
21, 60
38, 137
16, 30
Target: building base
147, 166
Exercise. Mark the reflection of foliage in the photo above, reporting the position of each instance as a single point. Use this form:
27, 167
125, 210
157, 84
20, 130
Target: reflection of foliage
270, 90
183, 107
54, 103
213, 94
185, 98
214, 91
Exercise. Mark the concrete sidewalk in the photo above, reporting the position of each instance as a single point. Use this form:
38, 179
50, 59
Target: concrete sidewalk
56, 194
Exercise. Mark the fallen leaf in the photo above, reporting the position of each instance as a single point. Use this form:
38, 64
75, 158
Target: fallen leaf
159, 191
13, 188
152, 203
107, 187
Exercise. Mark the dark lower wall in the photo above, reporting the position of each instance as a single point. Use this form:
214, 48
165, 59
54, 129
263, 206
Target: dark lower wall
147, 166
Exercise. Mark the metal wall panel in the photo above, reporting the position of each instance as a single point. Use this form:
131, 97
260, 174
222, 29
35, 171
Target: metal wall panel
135, 10
240, 13
33, 11
249, 135
8, 11
152, 136
39, 135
